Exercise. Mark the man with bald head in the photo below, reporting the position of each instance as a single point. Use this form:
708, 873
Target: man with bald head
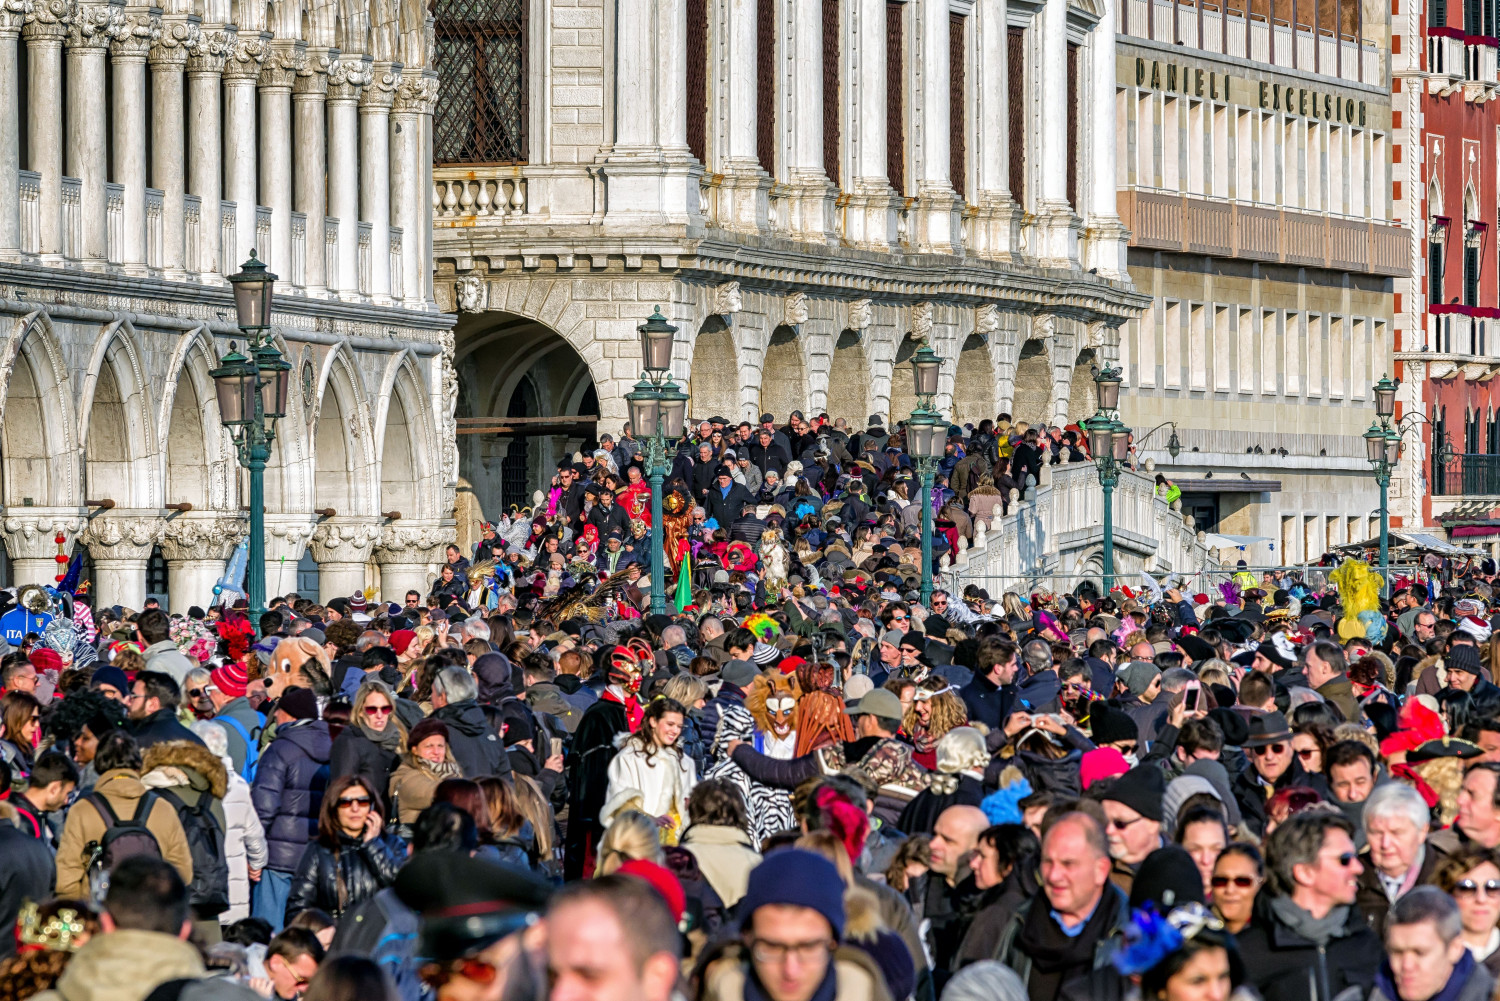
950, 898
1065, 932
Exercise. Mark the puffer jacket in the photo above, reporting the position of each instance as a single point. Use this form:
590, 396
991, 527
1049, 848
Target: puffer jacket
244, 846
474, 743
288, 790
335, 879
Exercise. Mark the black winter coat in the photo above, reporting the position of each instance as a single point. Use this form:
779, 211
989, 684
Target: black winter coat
288, 790
27, 872
355, 754
1284, 966
726, 509
475, 744
364, 868
160, 727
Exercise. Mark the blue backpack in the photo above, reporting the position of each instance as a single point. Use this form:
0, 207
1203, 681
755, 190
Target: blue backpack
252, 744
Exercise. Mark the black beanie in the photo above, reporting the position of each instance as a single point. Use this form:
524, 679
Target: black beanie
1168, 878
1110, 724
1141, 789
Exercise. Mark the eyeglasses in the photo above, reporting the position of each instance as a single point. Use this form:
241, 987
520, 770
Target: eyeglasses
1265, 749
377, 710
1243, 882
778, 952
195, 693
438, 974
355, 801
1490, 887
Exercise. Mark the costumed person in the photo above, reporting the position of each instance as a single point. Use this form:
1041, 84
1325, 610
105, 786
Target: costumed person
652, 762
676, 520
615, 714
488, 579
770, 809
935, 709
635, 496
1359, 594
1173, 958
772, 703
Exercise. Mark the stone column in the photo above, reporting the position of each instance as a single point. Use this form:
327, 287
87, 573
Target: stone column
179, 38
871, 213
936, 217
345, 80
374, 174
30, 542
12, 19
241, 73
277, 74
342, 549
205, 69
128, 62
310, 136
407, 556
286, 541
46, 28
811, 203
997, 222
1056, 228
93, 27
1106, 237
196, 548
411, 120
120, 545
744, 193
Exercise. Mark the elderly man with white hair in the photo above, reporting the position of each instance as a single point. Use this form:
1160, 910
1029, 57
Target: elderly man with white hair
1397, 859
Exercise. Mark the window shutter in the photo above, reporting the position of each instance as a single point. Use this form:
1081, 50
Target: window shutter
957, 106
1015, 41
832, 109
697, 79
765, 84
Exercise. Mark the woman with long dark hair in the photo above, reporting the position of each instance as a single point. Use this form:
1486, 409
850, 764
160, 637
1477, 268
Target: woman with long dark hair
353, 858
652, 764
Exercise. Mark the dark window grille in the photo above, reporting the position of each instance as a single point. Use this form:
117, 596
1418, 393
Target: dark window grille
697, 79
1073, 126
1494, 433
895, 93
832, 109
156, 574
957, 109
1015, 41
1471, 275
765, 84
1471, 434
1435, 273
1437, 13
480, 57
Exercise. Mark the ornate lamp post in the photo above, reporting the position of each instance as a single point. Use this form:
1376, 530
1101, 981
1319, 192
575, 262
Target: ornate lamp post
1109, 442
926, 440
658, 409
252, 398
1383, 450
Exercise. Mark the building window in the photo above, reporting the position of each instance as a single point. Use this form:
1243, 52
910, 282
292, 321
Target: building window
1471, 435
697, 79
957, 107
765, 85
1073, 126
895, 97
1435, 273
480, 57
1015, 42
1471, 275
156, 575
832, 133
1437, 13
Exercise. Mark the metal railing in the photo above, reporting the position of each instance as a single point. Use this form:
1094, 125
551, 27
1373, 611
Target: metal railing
1467, 475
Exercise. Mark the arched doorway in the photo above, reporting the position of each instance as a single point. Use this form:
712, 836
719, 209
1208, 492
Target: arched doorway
783, 384
849, 380
1083, 399
715, 382
1033, 396
903, 385
974, 396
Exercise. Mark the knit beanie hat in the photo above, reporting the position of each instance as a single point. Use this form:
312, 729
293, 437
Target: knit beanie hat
890, 953
1463, 658
799, 878
1169, 878
231, 679
1102, 763
1179, 790
114, 677
1137, 676
299, 703
663, 881
1110, 724
1141, 789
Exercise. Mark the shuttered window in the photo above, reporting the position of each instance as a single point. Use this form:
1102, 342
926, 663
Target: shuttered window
957, 107
832, 134
697, 79
895, 103
1016, 95
1073, 127
1471, 275
765, 84
1435, 273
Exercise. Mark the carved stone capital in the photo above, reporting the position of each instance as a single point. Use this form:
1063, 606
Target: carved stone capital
13, 15
141, 31
211, 537
215, 41
180, 37
345, 541
313, 77
287, 537
123, 538
349, 74
417, 93
31, 534
245, 56
282, 64
47, 19
380, 92
411, 545
95, 25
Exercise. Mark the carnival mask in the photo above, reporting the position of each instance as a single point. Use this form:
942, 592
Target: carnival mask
779, 709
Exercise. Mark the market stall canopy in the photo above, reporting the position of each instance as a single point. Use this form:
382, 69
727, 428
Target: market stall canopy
1215, 541
1414, 542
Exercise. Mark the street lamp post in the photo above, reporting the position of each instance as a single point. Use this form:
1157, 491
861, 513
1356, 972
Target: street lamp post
926, 441
252, 397
658, 409
1109, 442
1383, 450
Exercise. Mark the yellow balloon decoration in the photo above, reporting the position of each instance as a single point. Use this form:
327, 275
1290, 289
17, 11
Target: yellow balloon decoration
1359, 591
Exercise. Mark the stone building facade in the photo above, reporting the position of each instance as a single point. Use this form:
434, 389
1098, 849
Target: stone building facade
808, 188
1254, 156
302, 131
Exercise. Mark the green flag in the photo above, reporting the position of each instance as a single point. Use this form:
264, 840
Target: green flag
684, 595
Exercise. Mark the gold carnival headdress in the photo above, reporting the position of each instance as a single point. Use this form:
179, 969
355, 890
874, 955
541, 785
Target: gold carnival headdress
58, 933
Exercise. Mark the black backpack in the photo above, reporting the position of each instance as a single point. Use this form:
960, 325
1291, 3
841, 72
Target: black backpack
122, 839
209, 890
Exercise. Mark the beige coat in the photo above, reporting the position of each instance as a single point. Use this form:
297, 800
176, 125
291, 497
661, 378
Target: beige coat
124, 966
123, 790
725, 856
859, 979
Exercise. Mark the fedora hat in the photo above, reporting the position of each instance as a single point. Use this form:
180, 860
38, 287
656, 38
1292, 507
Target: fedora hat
1267, 728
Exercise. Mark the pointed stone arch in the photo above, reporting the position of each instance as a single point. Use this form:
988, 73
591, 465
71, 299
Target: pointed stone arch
198, 464
343, 453
116, 422
407, 443
38, 430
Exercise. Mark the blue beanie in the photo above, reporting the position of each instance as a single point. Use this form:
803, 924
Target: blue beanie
799, 878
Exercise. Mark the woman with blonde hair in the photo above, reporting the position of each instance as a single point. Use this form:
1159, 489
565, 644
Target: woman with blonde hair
935, 709
630, 836
375, 739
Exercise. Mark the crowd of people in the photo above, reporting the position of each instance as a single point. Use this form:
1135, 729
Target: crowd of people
798, 783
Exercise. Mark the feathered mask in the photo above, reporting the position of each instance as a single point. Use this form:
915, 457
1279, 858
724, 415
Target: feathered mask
1151, 938
625, 668
34, 598
237, 633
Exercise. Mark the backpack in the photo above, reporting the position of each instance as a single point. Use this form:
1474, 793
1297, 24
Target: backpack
252, 743
122, 839
209, 890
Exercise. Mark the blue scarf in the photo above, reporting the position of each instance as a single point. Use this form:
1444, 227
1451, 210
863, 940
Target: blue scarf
1386, 981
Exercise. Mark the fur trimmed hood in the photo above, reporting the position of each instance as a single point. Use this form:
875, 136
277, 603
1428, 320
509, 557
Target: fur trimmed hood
174, 759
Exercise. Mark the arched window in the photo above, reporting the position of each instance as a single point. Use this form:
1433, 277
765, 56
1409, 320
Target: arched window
481, 62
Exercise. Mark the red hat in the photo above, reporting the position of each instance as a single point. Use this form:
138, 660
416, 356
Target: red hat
46, 659
662, 881
1200, 599
401, 639
790, 665
230, 679
1102, 763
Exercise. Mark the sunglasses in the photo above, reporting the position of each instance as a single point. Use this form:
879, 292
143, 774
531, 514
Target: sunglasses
1121, 825
354, 801
1346, 859
377, 710
438, 974
1243, 882
1266, 749
1490, 887
1306, 753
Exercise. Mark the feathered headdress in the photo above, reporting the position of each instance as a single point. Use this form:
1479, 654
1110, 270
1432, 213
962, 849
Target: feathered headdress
1231, 591
237, 633
1151, 938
